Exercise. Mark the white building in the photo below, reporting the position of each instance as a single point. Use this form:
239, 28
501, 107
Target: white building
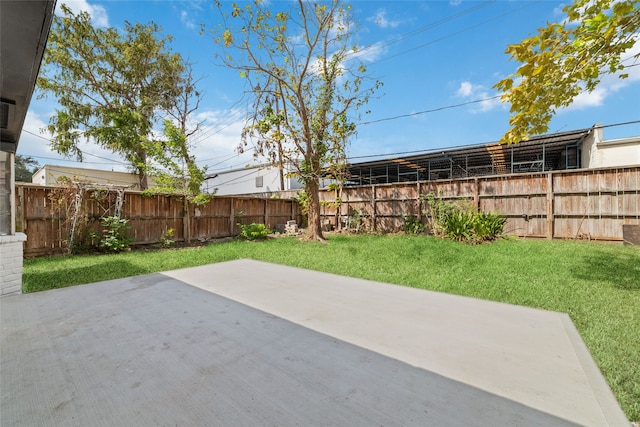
600, 153
51, 174
250, 180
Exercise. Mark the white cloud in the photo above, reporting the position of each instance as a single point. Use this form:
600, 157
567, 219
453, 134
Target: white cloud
455, 2
465, 89
217, 141
186, 20
371, 53
214, 145
34, 142
98, 13
380, 19
478, 93
610, 83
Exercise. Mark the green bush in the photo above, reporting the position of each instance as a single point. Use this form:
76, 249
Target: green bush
253, 231
489, 226
412, 225
114, 238
461, 222
166, 240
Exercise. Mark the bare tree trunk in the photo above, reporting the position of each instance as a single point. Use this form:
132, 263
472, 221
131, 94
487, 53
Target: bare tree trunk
314, 229
186, 221
142, 174
144, 182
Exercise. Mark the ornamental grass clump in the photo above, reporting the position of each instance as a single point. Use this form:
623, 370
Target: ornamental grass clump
460, 221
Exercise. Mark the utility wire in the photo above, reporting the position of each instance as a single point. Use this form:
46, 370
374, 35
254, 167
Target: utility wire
427, 27
469, 145
495, 18
84, 153
475, 101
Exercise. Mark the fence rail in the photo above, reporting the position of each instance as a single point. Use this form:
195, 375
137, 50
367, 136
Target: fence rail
47, 219
579, 204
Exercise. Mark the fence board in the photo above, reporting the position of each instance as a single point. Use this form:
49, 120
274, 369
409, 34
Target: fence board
149, 217
587, 204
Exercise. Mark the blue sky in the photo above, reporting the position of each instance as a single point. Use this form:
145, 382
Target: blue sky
428, 54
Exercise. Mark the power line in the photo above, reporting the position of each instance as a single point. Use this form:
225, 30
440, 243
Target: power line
455, 33
428, 27
399, 153
76, 161
68, 160
475, 101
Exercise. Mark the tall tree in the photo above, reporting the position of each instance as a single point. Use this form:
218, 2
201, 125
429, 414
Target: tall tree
26, 166
305, 82
564, 59
110, 86
174, 167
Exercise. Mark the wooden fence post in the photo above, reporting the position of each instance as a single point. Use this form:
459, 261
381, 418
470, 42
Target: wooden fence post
476, 193
232, 216
186, 220
419, 201
550, 207
373, 206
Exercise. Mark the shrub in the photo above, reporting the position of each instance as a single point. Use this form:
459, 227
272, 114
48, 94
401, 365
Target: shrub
114, 238
461, 222
166, 240
253, 231
412, 225
355, 220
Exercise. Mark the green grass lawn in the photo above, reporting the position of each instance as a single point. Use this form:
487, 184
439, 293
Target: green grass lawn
598, 285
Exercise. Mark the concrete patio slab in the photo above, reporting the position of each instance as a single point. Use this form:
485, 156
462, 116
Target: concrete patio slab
249, 343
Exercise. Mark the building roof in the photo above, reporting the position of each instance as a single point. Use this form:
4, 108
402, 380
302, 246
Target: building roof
540, 153
24, 29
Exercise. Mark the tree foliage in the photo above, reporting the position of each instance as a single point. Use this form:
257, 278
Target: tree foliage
564, 59
305, 84
110, 86
174, 167
25, 167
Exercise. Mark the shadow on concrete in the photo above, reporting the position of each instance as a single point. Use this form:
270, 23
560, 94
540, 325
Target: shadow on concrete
151, 350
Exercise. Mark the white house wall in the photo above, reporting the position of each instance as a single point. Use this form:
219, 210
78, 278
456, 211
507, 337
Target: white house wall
49, 175
600, 153
248, 181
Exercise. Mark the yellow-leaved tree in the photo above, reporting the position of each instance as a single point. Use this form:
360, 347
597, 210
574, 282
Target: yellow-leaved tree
567, 58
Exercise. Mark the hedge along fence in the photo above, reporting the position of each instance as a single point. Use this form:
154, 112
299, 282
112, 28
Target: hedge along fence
580, 204
48, 227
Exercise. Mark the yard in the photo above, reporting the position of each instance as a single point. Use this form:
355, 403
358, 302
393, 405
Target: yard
598, 285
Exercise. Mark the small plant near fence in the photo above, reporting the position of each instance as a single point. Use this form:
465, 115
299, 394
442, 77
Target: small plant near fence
412, 225
167, 239
114, 238
253, 231
460, 221
355, 221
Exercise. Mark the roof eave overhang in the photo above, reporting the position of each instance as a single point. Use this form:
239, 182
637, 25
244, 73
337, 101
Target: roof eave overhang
24, 29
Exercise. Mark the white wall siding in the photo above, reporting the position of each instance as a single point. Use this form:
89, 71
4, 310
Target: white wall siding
257, 179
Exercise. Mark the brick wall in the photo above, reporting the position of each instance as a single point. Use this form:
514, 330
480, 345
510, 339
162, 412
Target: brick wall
11, 263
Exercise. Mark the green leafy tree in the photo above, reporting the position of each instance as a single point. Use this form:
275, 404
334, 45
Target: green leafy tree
564, 59
111, 86
26, 166
305, 82
175, 169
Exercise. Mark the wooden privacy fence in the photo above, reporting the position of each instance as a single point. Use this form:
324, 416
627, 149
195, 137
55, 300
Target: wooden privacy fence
48, 227
579, 204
